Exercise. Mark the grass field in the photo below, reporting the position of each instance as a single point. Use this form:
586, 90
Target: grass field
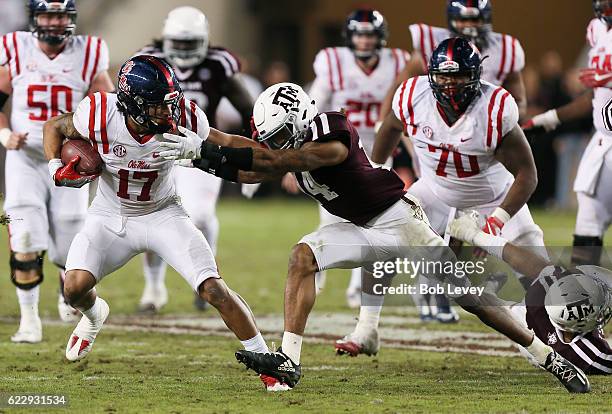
182, 361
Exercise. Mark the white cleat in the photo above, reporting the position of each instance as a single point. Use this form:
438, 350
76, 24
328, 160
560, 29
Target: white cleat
153, 299
29, 332
66, 312
353, 344
353, 298
82, 338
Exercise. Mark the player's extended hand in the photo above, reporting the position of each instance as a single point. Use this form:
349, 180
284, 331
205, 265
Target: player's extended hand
67, 176
493, 225
181, 147
13, 140
595, 78
465, 227
548, 120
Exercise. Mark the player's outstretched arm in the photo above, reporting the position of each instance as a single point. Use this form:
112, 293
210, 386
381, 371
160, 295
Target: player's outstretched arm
515, 85
311, 156
414, 67
550, 120
387, 138
515, 154
521, 259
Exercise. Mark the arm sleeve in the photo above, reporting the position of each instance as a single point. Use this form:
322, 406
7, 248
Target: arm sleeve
396, 105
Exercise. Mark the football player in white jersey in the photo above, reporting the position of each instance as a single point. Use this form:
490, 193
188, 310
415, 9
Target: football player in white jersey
46, 72
355, 78
505, 60
472, 153
470, 19
207, 74
136, 207
593, 184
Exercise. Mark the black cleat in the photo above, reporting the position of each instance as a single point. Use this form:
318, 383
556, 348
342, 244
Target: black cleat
274, 364
572, 377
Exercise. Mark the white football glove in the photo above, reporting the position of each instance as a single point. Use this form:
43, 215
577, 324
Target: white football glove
466, 227
178, 147
548, 120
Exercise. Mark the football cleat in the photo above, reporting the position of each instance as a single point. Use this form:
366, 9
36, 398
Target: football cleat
82, 338
66, 312
272, 384
447, 317
273, 364
153, 299
572, 377
353, 298
353, 344
29, 332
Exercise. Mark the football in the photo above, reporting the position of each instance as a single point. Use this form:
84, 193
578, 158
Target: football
90, 163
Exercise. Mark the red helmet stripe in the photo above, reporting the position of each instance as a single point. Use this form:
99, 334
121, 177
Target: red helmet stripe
449, 48
164, 70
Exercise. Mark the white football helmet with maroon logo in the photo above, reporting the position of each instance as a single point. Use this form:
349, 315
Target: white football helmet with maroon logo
282, 114
185, 37
581, 302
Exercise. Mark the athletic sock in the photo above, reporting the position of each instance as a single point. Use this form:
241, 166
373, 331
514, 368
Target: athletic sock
355, 281
369, 315
255, 344
94, 314
539, 350
154, 269
292, 346
28, 302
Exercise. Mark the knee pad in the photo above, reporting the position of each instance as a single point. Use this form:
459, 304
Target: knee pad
587, 250
27, 265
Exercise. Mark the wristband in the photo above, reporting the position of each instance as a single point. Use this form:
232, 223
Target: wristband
5, 135
54, 165
501, 214
225, 171
240, 157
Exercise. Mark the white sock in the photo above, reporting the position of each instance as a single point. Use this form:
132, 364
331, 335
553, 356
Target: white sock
28, 302
94, 314
369, 315
255, 344
539, 350
355, 282
292, 346
154, 269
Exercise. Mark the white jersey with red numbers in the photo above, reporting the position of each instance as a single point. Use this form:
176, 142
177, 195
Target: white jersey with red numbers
43, 87
135, 180
342, 84
600, 57
505, 53
458, 161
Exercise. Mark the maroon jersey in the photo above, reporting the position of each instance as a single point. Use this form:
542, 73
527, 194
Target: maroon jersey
204, 84
353, 189
589, 352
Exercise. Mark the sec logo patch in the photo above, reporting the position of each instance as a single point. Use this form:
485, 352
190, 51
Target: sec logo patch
119, 151
428, 132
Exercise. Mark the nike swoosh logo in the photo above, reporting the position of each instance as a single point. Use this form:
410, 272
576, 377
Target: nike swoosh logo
66, 70
465, 139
